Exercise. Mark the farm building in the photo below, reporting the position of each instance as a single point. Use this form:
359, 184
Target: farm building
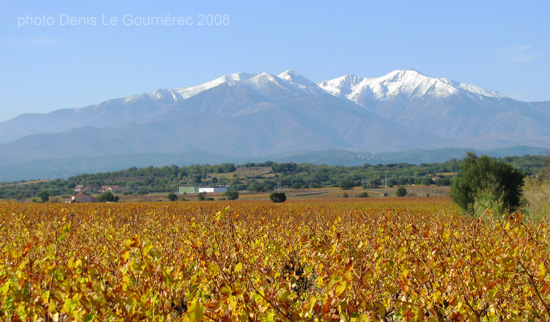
108, 188
213, 189
82, 188
82, 197
183, 190
202, 189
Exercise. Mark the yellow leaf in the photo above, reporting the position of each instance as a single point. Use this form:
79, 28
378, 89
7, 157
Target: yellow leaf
196, 311
69, 305
340, 288
239, 267
312, 301
226, 290
542, 270
232, 303
145, 250
51, 306
134, 242
45, 296
70, 264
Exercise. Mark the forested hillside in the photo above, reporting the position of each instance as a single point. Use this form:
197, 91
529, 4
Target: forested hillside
264, 176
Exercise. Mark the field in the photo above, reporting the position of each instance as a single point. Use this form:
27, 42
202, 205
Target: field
311, 193
304, 260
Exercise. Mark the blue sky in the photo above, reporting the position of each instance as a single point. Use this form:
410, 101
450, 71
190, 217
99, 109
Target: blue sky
499, 45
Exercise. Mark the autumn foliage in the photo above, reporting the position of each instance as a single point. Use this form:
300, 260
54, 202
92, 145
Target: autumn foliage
257, 261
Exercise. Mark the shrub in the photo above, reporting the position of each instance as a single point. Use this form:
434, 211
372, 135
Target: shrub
485, 183
172, 196
401, 192
362, 195
278, 197
231, 195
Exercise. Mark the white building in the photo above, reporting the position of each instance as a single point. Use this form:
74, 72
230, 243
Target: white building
213, 189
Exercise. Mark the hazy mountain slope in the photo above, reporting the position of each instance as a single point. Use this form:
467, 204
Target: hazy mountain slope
541, 107
269, 128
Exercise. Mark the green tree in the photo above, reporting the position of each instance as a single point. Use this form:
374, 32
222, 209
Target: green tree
296, 186
143, 191
346, 184
44, 196
231, 195
278, 197
172, 196
108, 197
201, 196
426, 181
485, 182
401, 192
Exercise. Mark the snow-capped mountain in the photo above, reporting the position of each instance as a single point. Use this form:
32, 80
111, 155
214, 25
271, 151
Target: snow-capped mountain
408, 83
246, 114
469, 115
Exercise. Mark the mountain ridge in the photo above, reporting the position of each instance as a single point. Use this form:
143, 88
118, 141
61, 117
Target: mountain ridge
252, 115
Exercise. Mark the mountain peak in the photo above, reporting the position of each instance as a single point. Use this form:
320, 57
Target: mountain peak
406, 75
294, 77
289, 73
406, 72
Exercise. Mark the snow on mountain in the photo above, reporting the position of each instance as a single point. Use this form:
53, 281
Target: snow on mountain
409, 83
178, 94
257, 82
295, 78
262, 83
342, 86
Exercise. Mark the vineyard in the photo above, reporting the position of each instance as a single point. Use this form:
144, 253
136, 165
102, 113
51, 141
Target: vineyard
346, 260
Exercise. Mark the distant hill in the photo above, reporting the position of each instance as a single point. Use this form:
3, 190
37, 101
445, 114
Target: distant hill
64, 168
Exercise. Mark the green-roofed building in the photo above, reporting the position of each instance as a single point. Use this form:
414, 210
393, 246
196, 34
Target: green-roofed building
183, 190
